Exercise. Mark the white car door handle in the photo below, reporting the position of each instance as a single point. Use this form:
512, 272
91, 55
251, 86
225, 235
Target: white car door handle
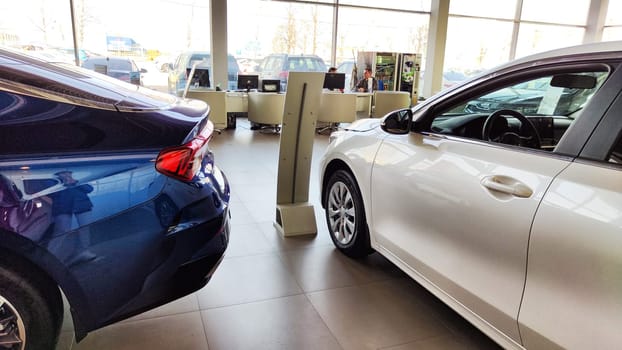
507, 185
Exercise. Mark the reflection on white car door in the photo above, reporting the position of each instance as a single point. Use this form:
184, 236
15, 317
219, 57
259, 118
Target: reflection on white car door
441, 206
573, 278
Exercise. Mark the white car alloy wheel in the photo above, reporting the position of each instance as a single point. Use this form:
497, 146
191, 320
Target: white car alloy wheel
12, 330
345, 215
341, 213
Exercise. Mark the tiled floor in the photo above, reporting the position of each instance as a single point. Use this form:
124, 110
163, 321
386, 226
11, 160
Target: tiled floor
288, 293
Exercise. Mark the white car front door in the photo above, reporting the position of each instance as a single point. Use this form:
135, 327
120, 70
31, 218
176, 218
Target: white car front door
454, 202
444, 207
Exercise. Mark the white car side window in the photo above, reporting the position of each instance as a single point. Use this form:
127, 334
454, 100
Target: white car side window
532, 113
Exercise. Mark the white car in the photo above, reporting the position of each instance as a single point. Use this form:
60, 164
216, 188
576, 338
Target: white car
514, 221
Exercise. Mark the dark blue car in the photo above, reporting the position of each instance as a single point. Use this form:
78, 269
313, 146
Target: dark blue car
108, 193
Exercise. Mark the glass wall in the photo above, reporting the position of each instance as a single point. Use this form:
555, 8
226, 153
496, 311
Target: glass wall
258, 28
41, 27
474, 44
545, 27
361, 29
154, 34
572, 12
533, 38
268, 37
149, 35
613, 23
482, 34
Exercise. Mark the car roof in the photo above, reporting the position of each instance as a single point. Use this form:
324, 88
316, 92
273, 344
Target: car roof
584, 49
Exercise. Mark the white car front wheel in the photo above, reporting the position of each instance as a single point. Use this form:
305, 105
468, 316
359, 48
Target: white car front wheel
345, 215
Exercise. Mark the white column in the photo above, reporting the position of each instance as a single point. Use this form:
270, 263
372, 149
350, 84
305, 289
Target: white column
218, 24
597, 14
435, 56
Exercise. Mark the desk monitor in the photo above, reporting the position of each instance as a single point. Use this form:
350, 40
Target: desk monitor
248, 82
271, 85
335, 81
200, 77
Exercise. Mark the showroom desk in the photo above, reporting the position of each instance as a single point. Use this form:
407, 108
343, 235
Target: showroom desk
237, 102
266, 108
363, 104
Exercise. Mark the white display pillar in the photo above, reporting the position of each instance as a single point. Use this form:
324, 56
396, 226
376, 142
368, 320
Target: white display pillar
294, 215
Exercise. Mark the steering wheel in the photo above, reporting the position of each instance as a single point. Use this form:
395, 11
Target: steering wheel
527, 137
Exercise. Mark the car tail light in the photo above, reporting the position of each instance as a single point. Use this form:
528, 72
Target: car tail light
283, 75
183, 162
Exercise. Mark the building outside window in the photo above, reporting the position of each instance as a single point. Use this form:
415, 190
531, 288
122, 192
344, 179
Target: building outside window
480, 35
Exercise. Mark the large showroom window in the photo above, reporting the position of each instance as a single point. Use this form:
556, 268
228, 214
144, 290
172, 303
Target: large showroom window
36, 25
544, 27
260, 28
533, 38
266, 28
474, 44
613, 23
505, 9
480, 35
572, 12
411, 5
364, 29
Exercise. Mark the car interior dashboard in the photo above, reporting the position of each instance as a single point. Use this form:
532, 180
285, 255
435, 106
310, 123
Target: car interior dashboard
550, 128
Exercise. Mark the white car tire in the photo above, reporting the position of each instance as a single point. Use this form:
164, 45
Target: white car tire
345, 215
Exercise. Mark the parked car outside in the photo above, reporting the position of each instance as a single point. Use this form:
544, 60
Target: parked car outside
249, 65
82, 54
164, 62
511, 219
452, 77
121, 68
278, 66
178, 72
108, 192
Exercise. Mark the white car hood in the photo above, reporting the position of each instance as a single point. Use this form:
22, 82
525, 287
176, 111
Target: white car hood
362, 125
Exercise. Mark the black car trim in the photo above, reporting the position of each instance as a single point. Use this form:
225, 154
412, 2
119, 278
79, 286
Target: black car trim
608, 131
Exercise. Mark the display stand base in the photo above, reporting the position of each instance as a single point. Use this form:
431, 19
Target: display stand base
295, 219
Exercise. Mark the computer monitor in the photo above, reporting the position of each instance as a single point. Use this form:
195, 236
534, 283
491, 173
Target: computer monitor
200, 77
271, 85
248, 82
335, 81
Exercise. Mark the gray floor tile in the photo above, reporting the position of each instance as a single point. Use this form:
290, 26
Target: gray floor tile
248, 240
376, 315
293, 242
183, 331
283, 323
435, 343
65, 340
183, 305
324, 267
247, 279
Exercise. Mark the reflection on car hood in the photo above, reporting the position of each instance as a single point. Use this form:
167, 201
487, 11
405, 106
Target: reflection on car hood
363, 125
